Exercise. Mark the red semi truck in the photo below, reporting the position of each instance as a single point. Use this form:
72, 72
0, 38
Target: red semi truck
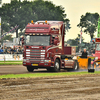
96, 53
44, 47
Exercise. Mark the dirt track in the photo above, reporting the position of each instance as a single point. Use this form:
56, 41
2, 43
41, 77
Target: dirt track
57, 88
16, 69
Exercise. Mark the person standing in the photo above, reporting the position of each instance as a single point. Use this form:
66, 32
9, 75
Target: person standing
84, 53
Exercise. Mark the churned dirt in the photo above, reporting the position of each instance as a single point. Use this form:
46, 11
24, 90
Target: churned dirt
86, 87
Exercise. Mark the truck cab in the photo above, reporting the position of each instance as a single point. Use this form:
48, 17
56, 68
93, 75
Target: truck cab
44, 47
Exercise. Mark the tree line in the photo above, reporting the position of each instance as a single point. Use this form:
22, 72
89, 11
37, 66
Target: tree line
20, 13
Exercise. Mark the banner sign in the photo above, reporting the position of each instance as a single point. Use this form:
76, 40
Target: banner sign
11, 57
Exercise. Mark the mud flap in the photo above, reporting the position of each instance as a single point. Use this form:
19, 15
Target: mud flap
91, 70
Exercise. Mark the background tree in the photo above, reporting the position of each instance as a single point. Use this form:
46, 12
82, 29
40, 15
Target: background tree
7, 37
76, 41
89, 23
21, 13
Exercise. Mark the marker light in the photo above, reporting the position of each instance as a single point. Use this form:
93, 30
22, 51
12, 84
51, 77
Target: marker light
46, 21
30, 34
32, 22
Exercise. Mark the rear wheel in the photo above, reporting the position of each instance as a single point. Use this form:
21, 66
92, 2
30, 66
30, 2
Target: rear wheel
76, 66
30, 68
56, 66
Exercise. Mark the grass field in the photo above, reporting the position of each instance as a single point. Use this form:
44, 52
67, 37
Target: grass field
11, 63
36, 75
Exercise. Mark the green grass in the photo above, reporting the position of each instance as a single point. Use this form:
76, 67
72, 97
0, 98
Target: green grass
11, 63
35, 75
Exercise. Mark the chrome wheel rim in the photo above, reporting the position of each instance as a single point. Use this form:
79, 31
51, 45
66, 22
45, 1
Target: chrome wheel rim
76, 67
57, 65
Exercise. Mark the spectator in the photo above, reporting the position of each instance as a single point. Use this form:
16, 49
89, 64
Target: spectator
19, 50
8, 50
84, 53
1, 50
14, 50
11, 51
22, 49
5, 50
93, 51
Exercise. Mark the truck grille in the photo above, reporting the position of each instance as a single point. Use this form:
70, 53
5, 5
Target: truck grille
36, 56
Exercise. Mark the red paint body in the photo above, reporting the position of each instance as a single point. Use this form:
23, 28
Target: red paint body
96, 55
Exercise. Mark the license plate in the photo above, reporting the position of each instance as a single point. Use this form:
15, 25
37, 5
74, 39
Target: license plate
34, 64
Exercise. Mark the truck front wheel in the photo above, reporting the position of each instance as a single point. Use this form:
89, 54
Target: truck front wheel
56, 66
30, 68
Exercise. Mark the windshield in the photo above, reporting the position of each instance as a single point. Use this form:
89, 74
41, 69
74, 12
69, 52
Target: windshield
98, 47
37, 40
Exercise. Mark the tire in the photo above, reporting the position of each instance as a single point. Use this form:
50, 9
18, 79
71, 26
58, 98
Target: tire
89, 63
56, 66
30, 68
76, 66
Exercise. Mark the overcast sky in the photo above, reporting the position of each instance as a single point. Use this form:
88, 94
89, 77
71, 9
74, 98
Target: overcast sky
74, 9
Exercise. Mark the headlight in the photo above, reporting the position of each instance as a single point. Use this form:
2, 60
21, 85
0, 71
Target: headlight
42, 53
24, 60
42, 50
96, 58
27, 52
42, 60
27, 55
27, 49
47, 60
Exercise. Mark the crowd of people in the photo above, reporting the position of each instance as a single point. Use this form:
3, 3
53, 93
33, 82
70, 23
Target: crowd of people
11, 50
